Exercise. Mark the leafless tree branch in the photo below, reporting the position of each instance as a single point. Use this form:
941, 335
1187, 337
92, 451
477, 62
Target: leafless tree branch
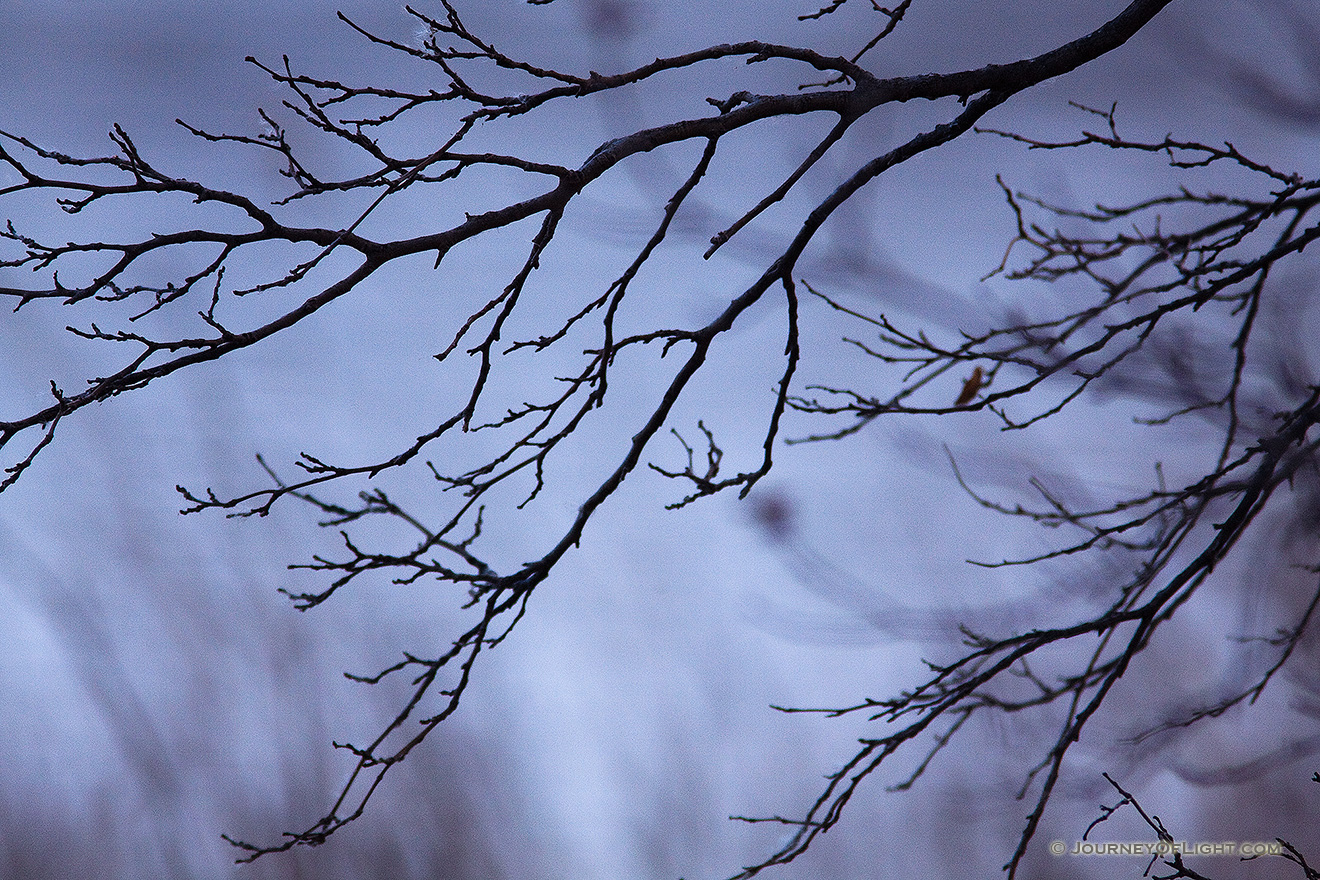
1150, 267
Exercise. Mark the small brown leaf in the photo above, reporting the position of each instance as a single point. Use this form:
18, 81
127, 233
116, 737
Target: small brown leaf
970, 387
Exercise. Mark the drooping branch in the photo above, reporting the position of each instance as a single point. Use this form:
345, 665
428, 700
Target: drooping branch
533, 431
1147, 273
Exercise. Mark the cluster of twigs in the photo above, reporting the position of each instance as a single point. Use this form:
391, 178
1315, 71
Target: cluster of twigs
1166, 849
1147, 278
1147, 274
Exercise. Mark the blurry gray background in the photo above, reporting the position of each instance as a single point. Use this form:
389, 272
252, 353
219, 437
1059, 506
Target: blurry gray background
158, 691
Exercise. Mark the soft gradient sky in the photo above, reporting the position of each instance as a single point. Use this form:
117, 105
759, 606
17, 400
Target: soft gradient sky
159, 691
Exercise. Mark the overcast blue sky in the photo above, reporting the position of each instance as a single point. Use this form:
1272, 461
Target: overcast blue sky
160, 691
